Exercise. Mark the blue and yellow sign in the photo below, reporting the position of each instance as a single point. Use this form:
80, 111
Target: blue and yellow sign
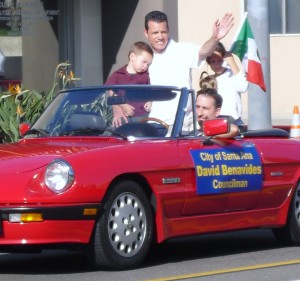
230, 169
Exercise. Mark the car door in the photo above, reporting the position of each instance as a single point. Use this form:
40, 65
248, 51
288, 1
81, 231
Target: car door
222, 175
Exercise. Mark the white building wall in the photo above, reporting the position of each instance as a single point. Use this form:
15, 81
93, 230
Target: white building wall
285, 75
190, 20
195, 19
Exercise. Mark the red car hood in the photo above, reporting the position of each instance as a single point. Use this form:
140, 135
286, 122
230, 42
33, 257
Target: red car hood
36, 153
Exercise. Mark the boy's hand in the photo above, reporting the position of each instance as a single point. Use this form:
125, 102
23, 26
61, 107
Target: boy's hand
118, 116
148, 106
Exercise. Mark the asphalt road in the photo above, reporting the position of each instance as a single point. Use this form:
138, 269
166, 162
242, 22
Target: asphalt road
239, 256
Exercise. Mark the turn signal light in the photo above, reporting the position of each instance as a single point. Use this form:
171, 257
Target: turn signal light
90, 212
25, 217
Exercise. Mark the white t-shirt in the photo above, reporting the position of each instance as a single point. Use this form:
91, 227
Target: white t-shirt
173, 68
230, 88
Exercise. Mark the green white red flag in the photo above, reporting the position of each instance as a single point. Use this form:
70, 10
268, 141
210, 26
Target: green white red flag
244, 46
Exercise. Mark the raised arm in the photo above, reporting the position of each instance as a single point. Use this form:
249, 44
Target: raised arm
220, 30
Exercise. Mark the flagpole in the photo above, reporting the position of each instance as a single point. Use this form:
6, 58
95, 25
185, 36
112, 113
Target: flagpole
259, 102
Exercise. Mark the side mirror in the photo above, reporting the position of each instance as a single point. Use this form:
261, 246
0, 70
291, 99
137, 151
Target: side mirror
23, 128
213, 127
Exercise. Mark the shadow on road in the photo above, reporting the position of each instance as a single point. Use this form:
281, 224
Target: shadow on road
183, 249
47, 262
213, 245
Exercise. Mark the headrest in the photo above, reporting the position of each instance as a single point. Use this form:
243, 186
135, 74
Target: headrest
87, 121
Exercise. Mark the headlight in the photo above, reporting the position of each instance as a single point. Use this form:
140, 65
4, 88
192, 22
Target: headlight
59, 176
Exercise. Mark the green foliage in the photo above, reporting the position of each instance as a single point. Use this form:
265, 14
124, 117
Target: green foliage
22, 105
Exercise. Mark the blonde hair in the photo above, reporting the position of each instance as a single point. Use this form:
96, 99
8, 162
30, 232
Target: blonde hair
207, 81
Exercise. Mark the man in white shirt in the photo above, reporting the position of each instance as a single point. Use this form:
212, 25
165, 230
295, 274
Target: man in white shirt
172, 62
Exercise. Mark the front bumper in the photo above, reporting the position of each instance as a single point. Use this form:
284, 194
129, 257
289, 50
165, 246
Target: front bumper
59, 225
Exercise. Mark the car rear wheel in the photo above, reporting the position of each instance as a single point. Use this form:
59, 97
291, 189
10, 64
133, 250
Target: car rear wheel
123, 234
290, 233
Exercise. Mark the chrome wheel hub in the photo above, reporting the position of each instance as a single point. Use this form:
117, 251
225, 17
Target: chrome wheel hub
127, 225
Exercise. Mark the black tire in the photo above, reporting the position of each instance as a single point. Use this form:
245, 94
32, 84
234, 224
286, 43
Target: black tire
290, 233
124, 232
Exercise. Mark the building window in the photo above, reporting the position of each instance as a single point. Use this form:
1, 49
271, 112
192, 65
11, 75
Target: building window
284, 16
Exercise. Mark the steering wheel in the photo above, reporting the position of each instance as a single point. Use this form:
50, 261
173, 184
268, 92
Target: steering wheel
146, 119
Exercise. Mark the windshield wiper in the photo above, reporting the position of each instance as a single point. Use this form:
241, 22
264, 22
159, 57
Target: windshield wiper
80, 132
37, 132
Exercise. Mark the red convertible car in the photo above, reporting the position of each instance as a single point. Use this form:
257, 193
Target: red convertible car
75, 181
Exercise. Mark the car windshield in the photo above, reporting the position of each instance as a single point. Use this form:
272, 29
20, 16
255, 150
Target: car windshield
89, 111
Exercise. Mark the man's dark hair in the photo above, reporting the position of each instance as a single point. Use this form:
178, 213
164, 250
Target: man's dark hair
155, 16
209, 92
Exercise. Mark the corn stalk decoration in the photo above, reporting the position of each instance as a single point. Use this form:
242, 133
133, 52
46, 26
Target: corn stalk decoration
22, 105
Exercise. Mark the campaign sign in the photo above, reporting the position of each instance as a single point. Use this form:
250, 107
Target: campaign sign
229, 169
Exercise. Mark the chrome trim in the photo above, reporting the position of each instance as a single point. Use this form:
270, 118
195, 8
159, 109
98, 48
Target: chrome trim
171, 180
276, 174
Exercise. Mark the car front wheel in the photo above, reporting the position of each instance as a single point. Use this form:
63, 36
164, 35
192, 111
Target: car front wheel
123, 234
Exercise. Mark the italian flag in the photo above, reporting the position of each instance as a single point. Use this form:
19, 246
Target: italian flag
245, 48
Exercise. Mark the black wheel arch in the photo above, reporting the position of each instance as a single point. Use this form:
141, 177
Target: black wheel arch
137, 181
289, 234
